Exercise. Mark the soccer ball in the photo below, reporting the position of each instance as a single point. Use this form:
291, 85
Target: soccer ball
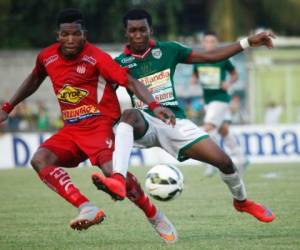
164, 182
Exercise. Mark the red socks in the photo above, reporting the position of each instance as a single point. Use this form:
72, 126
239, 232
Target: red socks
59, 181
136, 194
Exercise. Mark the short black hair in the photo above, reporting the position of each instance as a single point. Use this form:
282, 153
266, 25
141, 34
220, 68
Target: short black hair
210, 33
70, 15
137, 14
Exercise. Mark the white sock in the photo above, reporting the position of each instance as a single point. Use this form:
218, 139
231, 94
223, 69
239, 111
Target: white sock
123, 146
235, 150
235, 185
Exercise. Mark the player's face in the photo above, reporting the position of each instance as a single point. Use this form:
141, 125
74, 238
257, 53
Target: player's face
71, 36
138, 33
209, 42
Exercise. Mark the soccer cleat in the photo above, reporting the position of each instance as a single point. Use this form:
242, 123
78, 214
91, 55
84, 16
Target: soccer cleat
115, 188
89, 215
164, 228
257, 210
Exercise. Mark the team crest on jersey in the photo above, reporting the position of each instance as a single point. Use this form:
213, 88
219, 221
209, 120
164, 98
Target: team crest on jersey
156, 53
128, 59
81, 69
109, 142
71, 95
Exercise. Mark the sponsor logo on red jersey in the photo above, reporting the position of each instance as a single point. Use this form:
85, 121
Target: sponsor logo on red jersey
50, 59
89, 59
80, 113
71, 95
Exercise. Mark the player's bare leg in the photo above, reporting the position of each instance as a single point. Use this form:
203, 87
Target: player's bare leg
230, 142
135, 194
211, 170
207, 151
56, 178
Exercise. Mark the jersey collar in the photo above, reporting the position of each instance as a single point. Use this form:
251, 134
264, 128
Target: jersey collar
128, 52
86, 44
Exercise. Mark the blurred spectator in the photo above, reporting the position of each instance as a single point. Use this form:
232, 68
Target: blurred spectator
238, 113
32, 117
42, 121
4, 124
273, 113
14, 120
57, 123
298, 114
189, 93
21, 118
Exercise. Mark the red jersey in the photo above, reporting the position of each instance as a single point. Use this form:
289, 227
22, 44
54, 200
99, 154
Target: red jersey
83, 85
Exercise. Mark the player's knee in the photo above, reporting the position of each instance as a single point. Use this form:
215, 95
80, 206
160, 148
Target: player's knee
130, 116
37, 162
226, 165
41, 159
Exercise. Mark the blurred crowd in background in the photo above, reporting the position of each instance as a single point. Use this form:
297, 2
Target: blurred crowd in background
267, 90
34, 116
30, 118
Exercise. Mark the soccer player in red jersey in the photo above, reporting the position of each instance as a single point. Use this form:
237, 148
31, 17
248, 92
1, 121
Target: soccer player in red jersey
149, 60
89, 108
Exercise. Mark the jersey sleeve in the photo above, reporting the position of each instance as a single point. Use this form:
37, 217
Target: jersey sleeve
111, 70
229, 66
181, 51
39, 68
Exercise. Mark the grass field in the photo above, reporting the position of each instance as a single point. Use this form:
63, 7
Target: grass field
33, 217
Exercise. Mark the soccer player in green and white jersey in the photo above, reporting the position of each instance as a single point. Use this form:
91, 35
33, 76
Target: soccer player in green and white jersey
153, 63
212, 77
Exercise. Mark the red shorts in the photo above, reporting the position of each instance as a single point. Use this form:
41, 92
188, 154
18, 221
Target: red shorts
75, 143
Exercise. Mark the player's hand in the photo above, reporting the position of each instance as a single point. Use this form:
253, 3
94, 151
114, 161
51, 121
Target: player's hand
165, 114
3, 116
225, 85
262, 39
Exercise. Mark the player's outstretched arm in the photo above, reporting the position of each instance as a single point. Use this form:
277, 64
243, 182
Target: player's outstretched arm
260, 39
141, 91
27, 88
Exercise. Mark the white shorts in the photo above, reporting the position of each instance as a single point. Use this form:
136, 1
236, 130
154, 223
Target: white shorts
216, 113
175, 140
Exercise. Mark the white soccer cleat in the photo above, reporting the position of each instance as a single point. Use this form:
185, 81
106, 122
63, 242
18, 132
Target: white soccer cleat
89, 215
164, 227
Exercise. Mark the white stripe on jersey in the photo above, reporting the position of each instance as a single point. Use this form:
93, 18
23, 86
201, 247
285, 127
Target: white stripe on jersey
100, 88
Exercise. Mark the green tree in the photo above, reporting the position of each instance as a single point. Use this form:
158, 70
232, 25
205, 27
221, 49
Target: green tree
230, 18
